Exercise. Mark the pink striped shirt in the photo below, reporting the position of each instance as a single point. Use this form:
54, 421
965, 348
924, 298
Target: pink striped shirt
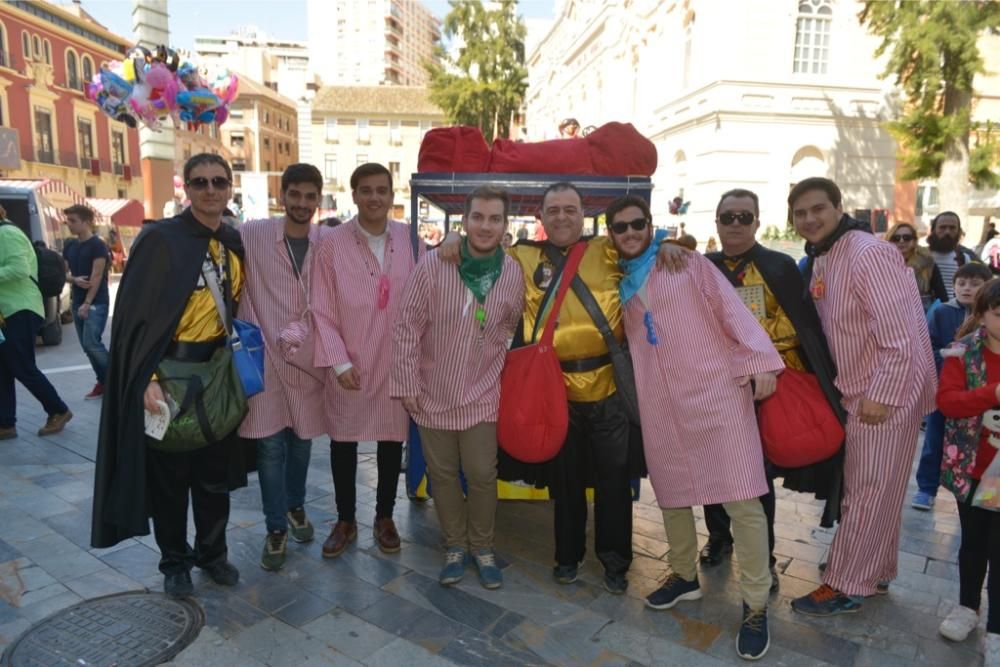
872, 317
442, 355
699, 428
272, 298
353, 329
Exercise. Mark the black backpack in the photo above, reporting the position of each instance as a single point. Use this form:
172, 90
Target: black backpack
51, 270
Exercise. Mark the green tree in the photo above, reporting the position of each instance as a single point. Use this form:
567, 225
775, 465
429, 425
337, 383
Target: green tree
484, 81
934, 54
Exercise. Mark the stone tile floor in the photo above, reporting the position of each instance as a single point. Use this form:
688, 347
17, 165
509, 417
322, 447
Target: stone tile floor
367, 608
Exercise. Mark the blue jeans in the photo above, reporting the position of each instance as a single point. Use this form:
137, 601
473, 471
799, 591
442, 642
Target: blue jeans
89, 331
282, 464
929, 468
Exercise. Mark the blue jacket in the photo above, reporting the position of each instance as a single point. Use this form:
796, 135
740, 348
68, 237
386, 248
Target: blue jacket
943, 320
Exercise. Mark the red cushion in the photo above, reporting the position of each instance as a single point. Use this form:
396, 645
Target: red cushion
558, 156
617, 149
453, 149
797, 425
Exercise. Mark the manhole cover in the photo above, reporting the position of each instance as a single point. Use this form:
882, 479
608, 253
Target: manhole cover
124, 630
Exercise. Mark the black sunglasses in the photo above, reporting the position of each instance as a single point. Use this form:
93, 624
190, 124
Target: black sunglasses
201, 183
897, 238
638, 225
744, 218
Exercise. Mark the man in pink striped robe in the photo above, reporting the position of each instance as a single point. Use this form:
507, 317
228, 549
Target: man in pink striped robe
284, 417
362, 267
450, 344
874, 321
699, 429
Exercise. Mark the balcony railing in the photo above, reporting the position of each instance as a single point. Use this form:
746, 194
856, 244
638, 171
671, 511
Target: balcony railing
5, 59
118, 169
45, 156
86, 162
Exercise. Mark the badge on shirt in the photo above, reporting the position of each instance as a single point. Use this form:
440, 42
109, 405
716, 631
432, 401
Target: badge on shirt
753, 297
543, 276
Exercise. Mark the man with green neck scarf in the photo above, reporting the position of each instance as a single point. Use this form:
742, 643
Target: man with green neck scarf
449, 347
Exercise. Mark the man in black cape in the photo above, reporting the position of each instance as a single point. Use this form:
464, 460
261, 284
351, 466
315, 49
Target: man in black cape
162, 273
774, 286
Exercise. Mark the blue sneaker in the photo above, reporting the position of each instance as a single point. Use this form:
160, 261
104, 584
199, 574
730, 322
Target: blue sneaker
454, 566
754, 639
825, 601
674, 590
922, 501
490, 575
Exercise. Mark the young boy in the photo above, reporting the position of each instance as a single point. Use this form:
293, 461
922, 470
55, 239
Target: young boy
943, 320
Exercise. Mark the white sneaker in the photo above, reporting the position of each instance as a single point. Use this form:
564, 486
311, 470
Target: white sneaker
959, 623
991, 650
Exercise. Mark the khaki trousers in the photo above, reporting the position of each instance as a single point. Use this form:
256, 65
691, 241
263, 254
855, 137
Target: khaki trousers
749, 525
465, 520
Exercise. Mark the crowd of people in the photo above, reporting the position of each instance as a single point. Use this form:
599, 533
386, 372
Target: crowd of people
365, 329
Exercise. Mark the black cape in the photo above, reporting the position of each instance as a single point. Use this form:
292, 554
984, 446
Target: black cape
782, 277
161, 273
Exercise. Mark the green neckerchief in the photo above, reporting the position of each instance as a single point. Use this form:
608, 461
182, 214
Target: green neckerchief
480, 274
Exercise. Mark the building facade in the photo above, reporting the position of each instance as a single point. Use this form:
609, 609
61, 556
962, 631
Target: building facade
755, 94
281, 65
352, 125
371, 42
47, 55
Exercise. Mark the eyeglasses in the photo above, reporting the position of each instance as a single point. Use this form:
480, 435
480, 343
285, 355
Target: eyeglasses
744, 218
902, 238
201, 183
638, 225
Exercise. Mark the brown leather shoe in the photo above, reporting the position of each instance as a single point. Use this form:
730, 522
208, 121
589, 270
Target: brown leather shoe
386, 535
8, 433
343, 533
55, 423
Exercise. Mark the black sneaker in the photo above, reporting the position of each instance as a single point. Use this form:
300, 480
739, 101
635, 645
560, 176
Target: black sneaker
714, 551
754, 639
565, 574
224, 573
673, 590
615, 583
178, 585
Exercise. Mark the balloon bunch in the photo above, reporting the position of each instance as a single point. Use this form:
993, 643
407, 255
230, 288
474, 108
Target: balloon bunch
149, 86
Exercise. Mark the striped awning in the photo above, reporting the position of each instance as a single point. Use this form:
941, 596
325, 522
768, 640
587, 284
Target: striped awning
56, 194
121, 212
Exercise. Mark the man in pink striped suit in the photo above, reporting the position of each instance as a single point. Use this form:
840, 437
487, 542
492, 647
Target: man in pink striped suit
362, 267
284, 417
874, 322
450, 343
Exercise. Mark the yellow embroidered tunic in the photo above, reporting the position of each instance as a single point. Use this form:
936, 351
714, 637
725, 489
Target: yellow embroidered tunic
775, 321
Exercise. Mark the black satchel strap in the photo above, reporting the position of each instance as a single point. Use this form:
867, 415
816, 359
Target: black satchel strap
558, 261
590, 303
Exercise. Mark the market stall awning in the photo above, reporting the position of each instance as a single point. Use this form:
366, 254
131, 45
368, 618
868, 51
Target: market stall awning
56, 194
121, 212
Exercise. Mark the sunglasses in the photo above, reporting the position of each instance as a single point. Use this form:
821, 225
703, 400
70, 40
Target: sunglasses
201, 183
901, 238
638, 225
744, 218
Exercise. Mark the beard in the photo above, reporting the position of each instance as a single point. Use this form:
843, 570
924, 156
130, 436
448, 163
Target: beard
941, 244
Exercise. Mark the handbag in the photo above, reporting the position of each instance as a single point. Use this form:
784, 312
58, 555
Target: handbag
621, 359
244, 338
297, 341
211, 402
533, 416
797, 425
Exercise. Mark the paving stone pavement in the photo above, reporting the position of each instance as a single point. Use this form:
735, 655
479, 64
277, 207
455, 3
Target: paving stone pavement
368, 608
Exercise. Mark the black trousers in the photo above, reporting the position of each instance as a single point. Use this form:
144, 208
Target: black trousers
344, 467
980, 550
717, 521
595, 452
17, 362
171, 477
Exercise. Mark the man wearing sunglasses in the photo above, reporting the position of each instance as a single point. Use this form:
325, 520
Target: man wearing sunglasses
699, 430
772, 288
164, 310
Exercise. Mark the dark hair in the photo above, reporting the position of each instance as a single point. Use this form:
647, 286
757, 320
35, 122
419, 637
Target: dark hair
369, 169
942, 214
85, 213
739, 192
973, 270
560, 186
987, 298
148, 221
487, 193
622, 203
301, 172
569, 121
206, 158
816, 183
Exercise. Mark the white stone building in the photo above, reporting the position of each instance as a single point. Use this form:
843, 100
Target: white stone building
756, 94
